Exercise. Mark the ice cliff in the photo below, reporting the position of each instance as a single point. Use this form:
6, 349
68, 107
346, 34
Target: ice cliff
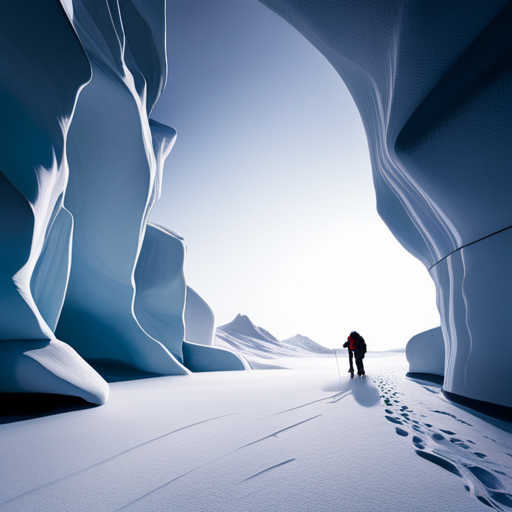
82, 273
433, 83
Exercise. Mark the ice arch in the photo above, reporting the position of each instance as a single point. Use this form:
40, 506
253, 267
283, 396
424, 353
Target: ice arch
433, 82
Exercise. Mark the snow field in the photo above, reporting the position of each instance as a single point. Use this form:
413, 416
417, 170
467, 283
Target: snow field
302, 440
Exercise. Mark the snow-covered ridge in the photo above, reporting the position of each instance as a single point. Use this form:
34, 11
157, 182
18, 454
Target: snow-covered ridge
81, 168
433, 85
259, 347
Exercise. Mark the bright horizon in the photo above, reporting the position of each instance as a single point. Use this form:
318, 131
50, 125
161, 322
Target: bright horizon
270, 184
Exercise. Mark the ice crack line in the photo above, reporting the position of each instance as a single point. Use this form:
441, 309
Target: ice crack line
333, 397
470, 243
279, 432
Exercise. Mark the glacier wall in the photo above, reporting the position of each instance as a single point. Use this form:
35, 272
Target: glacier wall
42, 74
425, 352
199, 320
82, 273
433, 82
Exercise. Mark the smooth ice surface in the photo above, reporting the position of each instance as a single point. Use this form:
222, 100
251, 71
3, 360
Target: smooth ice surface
433, 86
204, 358
301, 440
160, 284
199, 319
425, 352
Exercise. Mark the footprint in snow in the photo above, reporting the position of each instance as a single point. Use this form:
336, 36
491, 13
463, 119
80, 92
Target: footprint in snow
418, 442
459, 442
401, 432
393, 420
502, 498
443, 463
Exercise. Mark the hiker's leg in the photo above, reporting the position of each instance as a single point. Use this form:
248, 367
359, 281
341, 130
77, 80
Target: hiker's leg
360, 366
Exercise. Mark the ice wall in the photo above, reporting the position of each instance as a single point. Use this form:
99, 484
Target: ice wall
81, 167
41, 74
199, 320
425, 352
433, 82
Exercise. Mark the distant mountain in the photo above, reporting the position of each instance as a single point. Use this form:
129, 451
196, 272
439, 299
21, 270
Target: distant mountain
303, 342
258, 346
242, 326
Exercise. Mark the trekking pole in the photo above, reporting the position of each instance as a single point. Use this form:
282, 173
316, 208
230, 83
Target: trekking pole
337, 365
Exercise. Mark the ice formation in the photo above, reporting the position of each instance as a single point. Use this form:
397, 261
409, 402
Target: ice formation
81, 167
433, 82
199, 320
425, 352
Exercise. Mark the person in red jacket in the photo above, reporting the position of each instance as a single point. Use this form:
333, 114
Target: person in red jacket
356, 349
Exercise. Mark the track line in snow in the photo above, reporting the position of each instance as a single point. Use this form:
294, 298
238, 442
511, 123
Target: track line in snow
266, 470
215, 460
279, 431
109, 459
333, 397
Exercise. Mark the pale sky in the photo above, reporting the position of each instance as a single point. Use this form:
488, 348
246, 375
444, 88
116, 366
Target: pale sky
270, 184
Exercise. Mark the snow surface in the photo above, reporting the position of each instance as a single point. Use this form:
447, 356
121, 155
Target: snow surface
433, 84
279, 440
260, 348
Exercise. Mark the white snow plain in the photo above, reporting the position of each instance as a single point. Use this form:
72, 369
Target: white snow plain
268, 440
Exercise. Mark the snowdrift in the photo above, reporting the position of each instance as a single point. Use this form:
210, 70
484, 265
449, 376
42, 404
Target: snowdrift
433, 85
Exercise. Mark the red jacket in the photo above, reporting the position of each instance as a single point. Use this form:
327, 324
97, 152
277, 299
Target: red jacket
352, 343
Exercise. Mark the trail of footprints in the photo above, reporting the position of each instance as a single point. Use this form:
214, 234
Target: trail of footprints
445, 448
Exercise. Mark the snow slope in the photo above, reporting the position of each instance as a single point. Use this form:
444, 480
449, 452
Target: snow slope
258, 347
261, 441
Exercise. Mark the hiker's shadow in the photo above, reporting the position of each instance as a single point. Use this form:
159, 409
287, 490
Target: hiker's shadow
363, 390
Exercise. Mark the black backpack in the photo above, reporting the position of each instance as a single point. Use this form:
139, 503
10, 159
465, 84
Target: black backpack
360, 343
361, 346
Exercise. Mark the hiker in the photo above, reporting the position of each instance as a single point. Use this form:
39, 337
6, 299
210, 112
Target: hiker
356, 349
